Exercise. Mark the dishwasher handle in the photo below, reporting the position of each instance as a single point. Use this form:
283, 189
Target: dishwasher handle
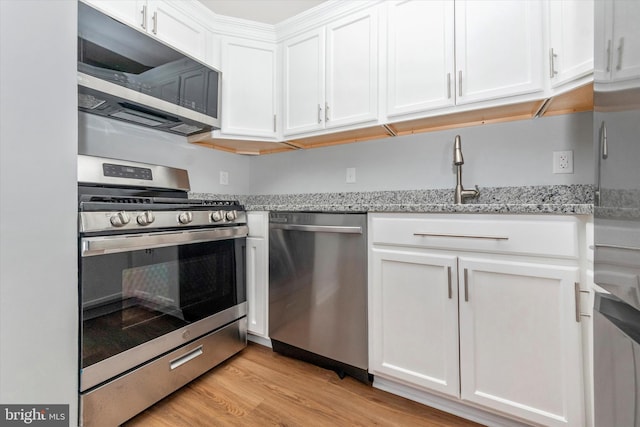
318, 228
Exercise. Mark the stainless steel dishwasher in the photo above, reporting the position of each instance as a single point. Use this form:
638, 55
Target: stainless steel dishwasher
318, 289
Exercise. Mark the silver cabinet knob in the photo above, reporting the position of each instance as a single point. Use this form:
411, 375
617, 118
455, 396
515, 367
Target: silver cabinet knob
146, 218
217, 216
119, 219
185, 217
231, 215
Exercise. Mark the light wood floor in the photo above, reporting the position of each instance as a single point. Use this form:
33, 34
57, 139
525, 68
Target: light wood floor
259, 388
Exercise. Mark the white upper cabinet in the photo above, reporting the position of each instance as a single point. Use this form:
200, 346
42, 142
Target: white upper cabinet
420, 62
130, 12
352, 69
330, 74
570, 40
248, 88
303, 79
617, 41
161, 19
498, 49
176, 28
446, 53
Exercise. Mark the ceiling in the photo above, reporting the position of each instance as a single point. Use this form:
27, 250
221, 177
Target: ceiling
265, 11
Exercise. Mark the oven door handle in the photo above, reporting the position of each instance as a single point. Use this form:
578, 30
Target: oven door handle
101, 245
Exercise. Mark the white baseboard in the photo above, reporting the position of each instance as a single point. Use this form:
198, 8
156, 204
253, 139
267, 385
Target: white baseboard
444, 404
259, 340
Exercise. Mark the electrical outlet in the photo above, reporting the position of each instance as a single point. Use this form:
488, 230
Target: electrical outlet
224, 178
563, 161
351, 175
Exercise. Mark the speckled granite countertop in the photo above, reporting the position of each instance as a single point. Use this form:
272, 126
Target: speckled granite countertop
549, 199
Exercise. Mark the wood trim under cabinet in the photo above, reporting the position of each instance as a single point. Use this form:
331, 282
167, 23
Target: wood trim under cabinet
573, 101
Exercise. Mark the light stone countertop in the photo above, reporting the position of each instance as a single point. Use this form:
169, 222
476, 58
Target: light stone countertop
549, 199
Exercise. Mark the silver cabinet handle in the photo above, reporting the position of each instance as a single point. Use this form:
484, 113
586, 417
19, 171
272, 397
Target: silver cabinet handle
460, 236
576, 291
605, 143
460, 83
604, 153
449, 281
620, 49
155, 22
144, 16
449, 85
319, 114
326, 112
466, 286
552, 57
608, 55
179, 361
317, 228
626, 248
274, 122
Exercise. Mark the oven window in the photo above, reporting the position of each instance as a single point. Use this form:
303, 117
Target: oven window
133, 297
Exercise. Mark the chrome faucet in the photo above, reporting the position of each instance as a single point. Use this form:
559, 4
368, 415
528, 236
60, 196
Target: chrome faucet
460, 193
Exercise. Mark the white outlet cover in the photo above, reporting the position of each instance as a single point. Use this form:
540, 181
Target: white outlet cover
563, 161
351, 176
224, 178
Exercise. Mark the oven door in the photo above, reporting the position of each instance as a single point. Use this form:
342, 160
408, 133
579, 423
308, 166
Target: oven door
144, 294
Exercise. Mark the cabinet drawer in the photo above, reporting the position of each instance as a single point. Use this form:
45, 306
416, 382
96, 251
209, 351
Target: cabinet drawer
554, 236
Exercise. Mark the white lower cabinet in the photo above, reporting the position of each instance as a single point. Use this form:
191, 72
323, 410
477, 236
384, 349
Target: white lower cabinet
491, 328
257, 273
520, 343
416, 318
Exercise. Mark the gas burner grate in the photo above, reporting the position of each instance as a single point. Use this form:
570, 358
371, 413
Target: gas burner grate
117, 199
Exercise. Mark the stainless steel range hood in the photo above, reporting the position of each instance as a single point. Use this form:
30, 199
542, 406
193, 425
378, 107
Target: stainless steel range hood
127, 75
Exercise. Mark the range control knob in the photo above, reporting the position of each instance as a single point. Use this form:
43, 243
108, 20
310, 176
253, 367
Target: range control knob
185, 217
119, 219
217, 216
231, 215
145, 218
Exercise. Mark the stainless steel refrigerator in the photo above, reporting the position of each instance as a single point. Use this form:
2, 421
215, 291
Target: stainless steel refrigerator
617, 213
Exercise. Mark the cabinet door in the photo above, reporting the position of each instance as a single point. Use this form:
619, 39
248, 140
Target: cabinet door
602, 41
498, 49
176, 28
257, 286
248, 88
303, 80
130, 12
520, 345
414, 319
420, 64
571, 40
625, 62
352, 69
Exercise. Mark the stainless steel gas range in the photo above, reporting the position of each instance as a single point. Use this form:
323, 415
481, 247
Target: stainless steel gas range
161, 283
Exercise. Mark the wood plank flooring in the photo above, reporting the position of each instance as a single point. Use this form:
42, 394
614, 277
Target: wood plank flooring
260, 388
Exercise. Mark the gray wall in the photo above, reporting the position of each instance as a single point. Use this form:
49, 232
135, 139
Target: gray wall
100, 136
38, 207
507, 154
